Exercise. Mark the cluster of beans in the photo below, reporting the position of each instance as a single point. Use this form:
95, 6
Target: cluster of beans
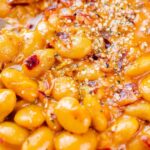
43, 109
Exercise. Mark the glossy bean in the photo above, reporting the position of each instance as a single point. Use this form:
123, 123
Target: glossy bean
72, 116
38, 63
68, 141
30, 117
63, 87
144, 88
50, 116
124, 129
99, 120
141, 141
40, 139
12, 133
81, 46
8, 48
7, 103
4, 8
121, 131
32, 41
6, 146
139, 109
20, 84
21, 104
88, 71
140, 66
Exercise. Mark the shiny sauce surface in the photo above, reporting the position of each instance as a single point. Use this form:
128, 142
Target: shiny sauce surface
74, 75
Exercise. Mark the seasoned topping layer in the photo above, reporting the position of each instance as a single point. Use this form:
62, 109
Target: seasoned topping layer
75, 74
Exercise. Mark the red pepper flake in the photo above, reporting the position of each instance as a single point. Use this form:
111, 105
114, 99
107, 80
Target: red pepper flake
49, 45
32, 62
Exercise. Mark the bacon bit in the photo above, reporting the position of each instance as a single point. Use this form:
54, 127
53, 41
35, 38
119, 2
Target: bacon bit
107, 43
62, 35
32, 62
146, 140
